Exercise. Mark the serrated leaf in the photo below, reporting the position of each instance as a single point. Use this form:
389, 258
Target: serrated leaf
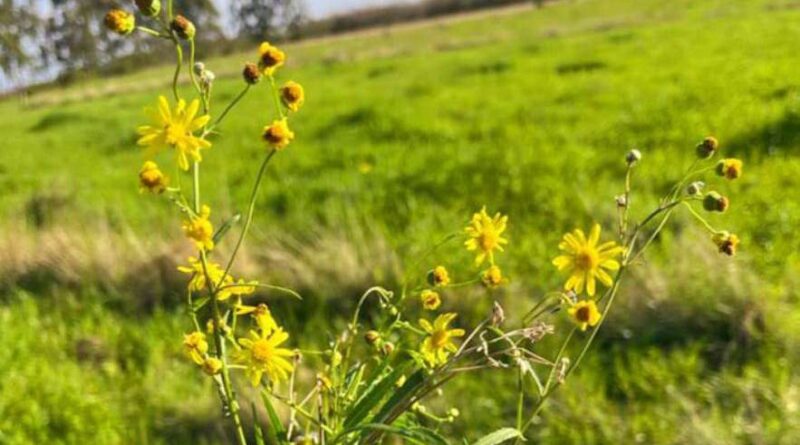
500, 436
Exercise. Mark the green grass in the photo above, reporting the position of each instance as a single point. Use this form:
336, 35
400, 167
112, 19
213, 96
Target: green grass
529, 114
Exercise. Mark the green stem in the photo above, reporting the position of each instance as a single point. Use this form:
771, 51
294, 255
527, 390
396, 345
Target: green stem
227, 109
179, 52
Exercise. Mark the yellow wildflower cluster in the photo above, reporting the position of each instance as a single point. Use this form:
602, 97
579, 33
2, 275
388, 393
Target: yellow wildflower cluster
175, 128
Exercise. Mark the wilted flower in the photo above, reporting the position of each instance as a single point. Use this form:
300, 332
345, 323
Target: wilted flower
120, 21
278, 135
498, 315
152, 179
430, 300
538, 331
585, 314
485, 235
198, 280
730, 168
561, 371
439, 343
586, 261
292, 95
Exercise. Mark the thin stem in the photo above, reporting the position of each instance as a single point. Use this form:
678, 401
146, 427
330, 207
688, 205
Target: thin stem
700, 218
230, 106
249, 219
179, 53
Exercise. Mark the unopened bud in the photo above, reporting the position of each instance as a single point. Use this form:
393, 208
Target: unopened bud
714, 202
251, 73
707, 148
372, 336
120, 21
622, 201
149, 8
695, 188
199, 67
183, 27
633, 156
388, 348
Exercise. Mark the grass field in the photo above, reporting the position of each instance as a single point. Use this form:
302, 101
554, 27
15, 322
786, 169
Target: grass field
403, 135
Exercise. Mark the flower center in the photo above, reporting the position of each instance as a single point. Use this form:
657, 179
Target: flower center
587, 259
262, 351
488, 240
439, 339
583, 314
173, 133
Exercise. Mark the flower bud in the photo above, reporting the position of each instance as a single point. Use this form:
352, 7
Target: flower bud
278, 135
149, 8
438, 277
182, 27
212, 366
270, 58
292, 95
714, 202
152, 179
726, 242
336, 358
621, 200
120, 21
430, 300
695, 188
729, 168
372, 336
208, 78
707, 148
388, 348
633, 156
492, 277
251, 73
199, 67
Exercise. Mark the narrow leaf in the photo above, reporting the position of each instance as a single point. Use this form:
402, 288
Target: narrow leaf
500, 436
373, 396
225, 227
276, 430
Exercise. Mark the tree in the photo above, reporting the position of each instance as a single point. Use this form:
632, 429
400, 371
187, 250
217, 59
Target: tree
267, 19
19, 28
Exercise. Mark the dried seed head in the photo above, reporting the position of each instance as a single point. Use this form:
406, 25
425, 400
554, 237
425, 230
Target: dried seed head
695, 188
621, 201
388, 348
372, 336
538, 331
561, 372
199, 67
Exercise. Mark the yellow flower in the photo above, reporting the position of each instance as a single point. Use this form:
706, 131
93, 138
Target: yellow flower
270, 58
484, 234
730, 168
292, 95
200, 230
438, 277
196, 346
430, 300
152, 179
438, 345
261, 314
726, 242
492, 277
585, 261
262, 354
212, 366
198, 280
278, 134
175, 128
120, 21
585, 314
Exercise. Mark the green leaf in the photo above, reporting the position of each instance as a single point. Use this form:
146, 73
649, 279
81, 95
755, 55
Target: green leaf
276, 431
414, 435
373, 395
225, 227
258, 433
199, 303
500, 436
402, 395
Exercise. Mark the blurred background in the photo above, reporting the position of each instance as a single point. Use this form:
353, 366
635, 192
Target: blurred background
417, 114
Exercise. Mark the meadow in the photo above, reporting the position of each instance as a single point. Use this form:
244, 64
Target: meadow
406, 132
